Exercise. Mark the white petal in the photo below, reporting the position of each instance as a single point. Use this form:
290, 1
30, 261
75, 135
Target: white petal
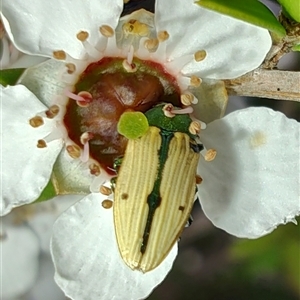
45, 287
41, 222
233, 47
39, 27
252, 186
19, 260
26, 169
44, 80
87, 260
25, 61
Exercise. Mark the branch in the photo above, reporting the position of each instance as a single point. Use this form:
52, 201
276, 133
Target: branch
274, 84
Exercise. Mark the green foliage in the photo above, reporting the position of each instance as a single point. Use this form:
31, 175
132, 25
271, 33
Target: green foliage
10, 76
251, 11
276, 253
47, 193
291, 8
296, 48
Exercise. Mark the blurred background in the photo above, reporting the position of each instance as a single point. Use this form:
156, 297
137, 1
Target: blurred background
212, 264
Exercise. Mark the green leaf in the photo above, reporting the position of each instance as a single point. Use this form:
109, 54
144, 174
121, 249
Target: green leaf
296, 48
251, 11
47, 193
10, 76
291, 8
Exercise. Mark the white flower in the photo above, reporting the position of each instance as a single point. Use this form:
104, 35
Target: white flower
249, 188
25, 255
10, 57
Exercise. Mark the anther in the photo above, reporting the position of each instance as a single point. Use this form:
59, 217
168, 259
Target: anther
105, 190
195, 81
167, 109
74, 151
52, 111
107, 204
82, 36
59, 54
87, 99
162, 36
106, 31
200, 55
199, 179
71, 68
94, 169
195, 127
151, 44
187, 99
85, 137
210, 154
83, 98
36, 121
41, 144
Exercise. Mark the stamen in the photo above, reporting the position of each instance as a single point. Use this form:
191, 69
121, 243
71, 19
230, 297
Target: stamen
41, 144
105, 190
130, 55
210, 154
151, 44
52, 111
167, 109
74, 151
183, 111
83, 98
187, 99
161, 52
170, 112
84, 139
71, 68
202, 124
36, 121
82, 36
88, 98
106, 31
195, 127
200, 55
94, 169
195, 81
60, 55
162, 36
107, 204
199, 179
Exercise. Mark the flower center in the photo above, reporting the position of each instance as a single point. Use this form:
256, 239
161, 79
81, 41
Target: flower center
103, 92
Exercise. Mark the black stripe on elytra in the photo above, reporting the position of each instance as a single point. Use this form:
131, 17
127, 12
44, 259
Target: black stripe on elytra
154, 197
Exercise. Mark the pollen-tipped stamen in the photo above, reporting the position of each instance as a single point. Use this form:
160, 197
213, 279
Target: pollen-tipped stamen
83, 98
195, 127
83, 36
170, 112
84, 139
52, 112
210, 154
74, 151
95, 169
36, 121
